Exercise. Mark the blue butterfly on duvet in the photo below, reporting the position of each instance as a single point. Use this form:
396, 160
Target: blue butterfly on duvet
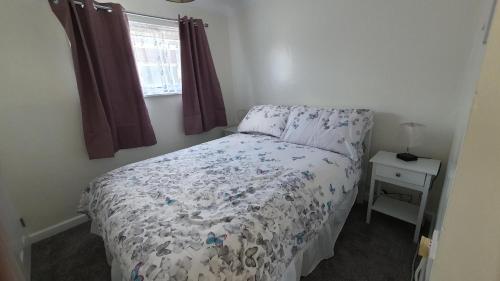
300, 237
169, 201
134, 276
216, 240
308, 175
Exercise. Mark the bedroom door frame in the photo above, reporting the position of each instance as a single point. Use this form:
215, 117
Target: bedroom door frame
18, 248
490, 30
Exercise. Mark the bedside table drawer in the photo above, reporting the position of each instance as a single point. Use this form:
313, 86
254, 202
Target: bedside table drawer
401, 175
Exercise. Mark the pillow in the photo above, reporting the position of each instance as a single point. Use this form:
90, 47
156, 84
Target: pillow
337, 130
265, 119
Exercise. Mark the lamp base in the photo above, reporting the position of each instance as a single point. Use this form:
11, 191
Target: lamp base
408, 157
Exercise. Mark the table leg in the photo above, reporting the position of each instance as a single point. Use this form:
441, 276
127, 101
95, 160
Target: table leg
421, 211
378, 189
370, 199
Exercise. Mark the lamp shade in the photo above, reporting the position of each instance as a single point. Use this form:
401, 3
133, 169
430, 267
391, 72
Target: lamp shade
412, 134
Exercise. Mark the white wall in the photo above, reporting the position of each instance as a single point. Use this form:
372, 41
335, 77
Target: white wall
42, 153
402, 58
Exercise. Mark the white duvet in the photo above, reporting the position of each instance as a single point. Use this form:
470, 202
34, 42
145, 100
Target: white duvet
237, 208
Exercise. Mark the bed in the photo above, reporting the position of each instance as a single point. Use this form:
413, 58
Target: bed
243, 207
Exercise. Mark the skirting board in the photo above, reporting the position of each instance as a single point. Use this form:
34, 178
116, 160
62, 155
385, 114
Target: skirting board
56, 229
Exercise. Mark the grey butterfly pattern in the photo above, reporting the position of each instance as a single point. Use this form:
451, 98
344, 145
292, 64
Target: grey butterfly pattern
337, 130
236, 208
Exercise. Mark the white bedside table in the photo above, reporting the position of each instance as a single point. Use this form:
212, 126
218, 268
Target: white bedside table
230, 130
416, 175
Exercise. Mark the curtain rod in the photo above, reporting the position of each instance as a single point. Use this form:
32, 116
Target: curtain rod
107, 8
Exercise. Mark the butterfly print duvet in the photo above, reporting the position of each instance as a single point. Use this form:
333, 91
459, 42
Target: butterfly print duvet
237, 208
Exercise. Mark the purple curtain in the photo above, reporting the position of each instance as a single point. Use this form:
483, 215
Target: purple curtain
114, 114
202, 101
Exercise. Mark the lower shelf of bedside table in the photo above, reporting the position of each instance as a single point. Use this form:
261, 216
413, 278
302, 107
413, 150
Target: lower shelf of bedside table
395, 208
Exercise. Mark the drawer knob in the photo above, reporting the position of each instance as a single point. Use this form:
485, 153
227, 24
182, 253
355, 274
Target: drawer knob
398, 175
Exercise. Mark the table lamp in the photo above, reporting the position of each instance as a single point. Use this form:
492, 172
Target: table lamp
412, 133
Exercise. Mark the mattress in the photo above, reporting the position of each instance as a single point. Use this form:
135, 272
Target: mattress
243, 207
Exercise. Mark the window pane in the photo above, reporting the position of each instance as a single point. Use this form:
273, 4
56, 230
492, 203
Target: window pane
157, 55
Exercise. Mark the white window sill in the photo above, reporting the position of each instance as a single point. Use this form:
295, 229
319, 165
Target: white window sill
162, 95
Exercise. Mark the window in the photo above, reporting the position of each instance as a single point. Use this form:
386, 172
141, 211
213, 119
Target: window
156, 46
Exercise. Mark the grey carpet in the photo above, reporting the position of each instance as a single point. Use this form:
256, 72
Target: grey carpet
380, 251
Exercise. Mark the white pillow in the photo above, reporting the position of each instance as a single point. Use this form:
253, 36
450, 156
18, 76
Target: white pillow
265, 119
337, 130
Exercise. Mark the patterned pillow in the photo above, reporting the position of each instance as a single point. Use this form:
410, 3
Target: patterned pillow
337, 130
265, 119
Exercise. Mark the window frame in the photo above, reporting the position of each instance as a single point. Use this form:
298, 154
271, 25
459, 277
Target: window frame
154, 21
